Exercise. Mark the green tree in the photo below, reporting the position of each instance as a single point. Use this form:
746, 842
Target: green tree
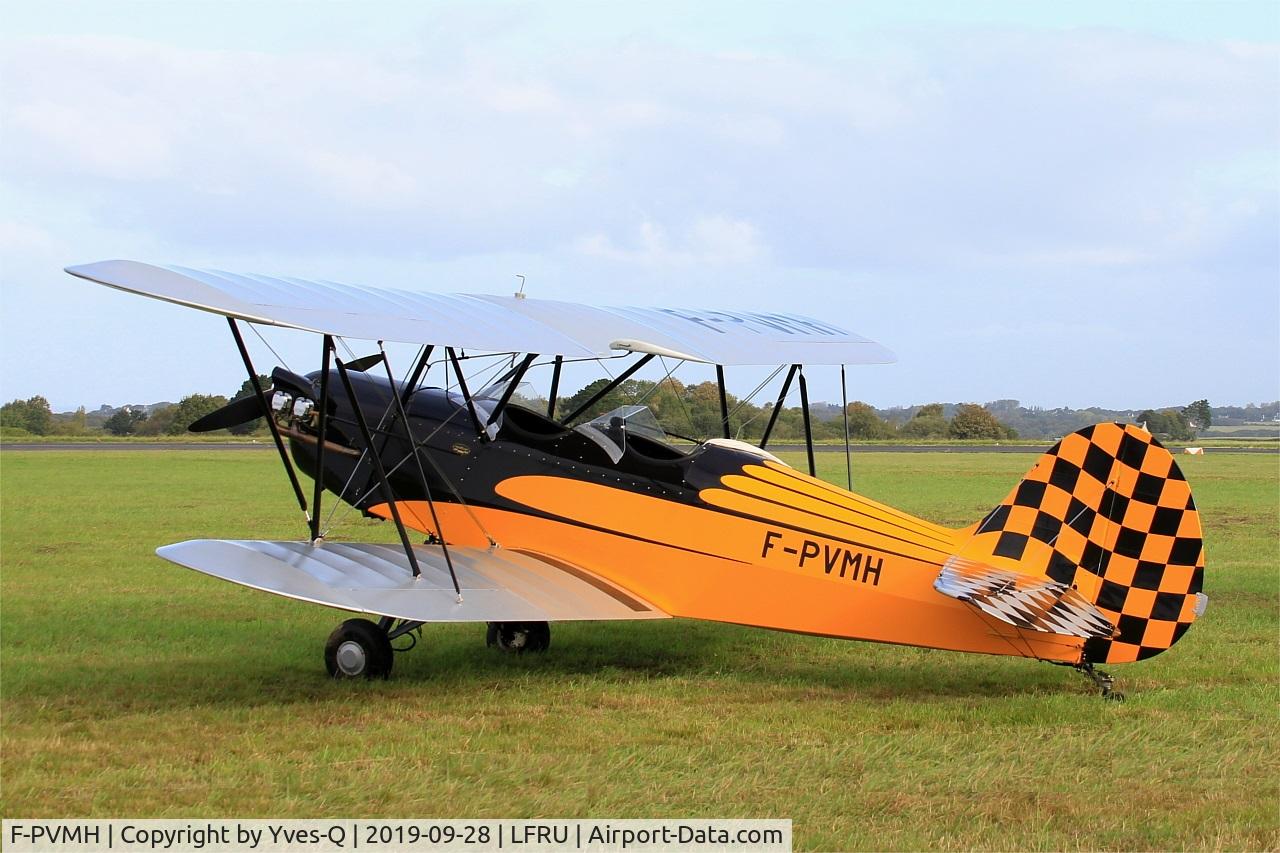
788, 427
191, 408
927, 422
703, 400
1169, 424
926, 426
158, 422
610, 401
971, 421
865, 423
1199, 414
71, 423
1180, 428
125, 421
32, 414
667, 402
687, 410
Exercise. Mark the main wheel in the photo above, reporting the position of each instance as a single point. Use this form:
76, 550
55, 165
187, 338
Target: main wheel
519, 637
358, 649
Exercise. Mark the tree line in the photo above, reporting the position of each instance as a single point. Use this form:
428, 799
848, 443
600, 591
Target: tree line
690, 410
694, 411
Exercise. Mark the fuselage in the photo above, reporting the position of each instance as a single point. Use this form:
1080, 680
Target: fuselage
715, 531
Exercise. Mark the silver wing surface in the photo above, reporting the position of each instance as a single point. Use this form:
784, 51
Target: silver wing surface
497, 586
495, 323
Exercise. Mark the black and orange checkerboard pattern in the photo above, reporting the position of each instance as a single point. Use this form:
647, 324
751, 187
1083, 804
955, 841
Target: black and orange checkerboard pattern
1107, 512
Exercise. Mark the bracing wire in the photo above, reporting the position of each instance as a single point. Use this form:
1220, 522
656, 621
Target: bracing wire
355, 469
688, 417
279, 358
481, 370
653, 390
607, 371
747, 399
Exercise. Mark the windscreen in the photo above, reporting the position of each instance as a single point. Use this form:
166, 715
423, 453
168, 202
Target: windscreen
637, 420
525, 395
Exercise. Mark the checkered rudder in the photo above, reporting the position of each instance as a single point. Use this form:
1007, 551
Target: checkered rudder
1108, 512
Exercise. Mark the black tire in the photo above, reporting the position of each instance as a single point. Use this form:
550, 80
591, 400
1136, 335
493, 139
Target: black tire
519, 637
358, 649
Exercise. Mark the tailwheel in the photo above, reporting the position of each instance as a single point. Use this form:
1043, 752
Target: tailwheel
519, 637
358, 649
1104, 682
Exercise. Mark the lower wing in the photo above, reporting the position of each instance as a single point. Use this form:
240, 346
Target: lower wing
496, 585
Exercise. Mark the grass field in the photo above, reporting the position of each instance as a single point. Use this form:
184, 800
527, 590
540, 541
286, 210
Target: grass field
130, 687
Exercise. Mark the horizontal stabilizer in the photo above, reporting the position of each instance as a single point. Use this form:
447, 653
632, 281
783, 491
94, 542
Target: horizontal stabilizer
497, 585
1033, 603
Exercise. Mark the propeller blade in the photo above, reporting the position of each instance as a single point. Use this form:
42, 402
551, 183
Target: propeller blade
233, 414
363, 364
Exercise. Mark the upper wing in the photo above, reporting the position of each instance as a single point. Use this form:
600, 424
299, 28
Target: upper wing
1034, 603
497, 586
495, 323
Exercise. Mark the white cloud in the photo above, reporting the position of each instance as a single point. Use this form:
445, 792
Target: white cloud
708, 241
951, 175
19, 238
360, 179
920, 151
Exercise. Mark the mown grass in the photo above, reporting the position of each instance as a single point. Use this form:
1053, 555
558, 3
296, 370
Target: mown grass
129, 687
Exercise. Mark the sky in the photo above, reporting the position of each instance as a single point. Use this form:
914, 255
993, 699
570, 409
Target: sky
1068, 204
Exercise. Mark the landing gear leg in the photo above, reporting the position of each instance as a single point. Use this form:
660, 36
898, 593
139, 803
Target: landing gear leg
519, 637
1101, 680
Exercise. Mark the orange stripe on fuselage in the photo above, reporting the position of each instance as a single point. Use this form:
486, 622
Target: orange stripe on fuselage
774, 472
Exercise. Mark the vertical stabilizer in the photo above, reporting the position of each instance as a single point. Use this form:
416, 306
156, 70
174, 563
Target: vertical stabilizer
1107, 512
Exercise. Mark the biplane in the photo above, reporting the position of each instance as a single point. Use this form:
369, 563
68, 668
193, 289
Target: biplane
518, 515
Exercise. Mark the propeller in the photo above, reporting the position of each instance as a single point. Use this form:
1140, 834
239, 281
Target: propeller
233, 414
248, 408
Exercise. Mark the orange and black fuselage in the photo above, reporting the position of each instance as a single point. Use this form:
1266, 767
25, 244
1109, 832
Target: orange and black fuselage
725, 534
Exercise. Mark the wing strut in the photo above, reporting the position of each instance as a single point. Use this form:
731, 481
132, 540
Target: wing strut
271, 421
512, 382
599, 395
777, 407
555, 387
808, 423
422, 474
466, 395
322, 429
385, 486
844, 401
724, 401
418, 370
